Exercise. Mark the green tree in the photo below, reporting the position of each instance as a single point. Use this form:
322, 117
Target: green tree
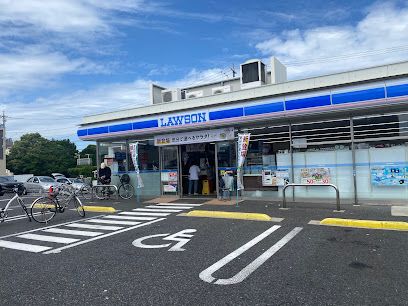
40, 156
91, 150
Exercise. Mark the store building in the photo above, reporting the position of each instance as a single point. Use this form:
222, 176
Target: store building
349, 129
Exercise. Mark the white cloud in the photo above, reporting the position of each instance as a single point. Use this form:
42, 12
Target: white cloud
380, 37
58, 116
34, 67
75, 16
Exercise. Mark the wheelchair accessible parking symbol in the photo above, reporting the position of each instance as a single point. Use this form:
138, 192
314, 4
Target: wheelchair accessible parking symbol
181, 238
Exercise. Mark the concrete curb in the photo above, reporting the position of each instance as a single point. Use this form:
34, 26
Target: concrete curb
386, 225
107, 209
228, 215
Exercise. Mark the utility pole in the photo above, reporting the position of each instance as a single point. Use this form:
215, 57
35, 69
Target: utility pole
3, 165
233, 71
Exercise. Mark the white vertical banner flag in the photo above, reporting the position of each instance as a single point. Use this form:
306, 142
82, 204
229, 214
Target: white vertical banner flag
243, 145
134, 152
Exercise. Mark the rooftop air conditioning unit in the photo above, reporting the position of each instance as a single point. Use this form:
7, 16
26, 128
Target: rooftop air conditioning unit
221, 89
194, 94
170, 95
253, 74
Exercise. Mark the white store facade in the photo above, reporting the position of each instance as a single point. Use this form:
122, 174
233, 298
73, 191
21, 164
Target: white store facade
349, 129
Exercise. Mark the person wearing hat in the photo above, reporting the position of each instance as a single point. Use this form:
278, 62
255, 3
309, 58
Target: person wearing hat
105, 174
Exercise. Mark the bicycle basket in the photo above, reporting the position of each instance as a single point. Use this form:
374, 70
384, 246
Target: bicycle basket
125, 179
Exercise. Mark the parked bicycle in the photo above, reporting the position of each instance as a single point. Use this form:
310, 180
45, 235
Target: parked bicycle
45, 208
126, 190
18, 190
105, 191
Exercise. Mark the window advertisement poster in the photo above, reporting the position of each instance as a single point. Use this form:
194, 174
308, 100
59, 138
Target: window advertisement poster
194, 137
243, 145
170, 181
134, 152
275, 178
313, 176
389, 176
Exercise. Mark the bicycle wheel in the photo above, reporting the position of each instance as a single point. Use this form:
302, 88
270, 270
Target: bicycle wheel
100, 193
78, 206
126, 191
86, 192
43, 209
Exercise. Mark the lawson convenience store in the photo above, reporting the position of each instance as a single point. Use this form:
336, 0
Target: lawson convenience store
349, 129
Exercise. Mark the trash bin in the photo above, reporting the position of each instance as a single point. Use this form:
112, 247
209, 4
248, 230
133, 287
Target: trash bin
206, 187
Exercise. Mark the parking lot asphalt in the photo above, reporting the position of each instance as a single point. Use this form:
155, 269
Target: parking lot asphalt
164, 258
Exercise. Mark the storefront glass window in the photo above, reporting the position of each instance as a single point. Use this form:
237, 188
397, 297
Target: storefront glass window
267, 166
381, 146
113, 154
169, 170
227, 163
148, 161
321, 155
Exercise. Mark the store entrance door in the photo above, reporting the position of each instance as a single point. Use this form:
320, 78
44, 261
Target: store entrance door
198, 168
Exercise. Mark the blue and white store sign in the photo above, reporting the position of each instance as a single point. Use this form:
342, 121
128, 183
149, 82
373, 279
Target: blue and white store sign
184, 119
194, 137
347, 98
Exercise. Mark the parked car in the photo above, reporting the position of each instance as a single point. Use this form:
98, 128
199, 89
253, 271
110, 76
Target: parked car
40, 184
7, 183
75, 182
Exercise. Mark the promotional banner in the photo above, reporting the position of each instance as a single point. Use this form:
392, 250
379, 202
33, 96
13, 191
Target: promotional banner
194, 137
134, 152
389, 176
313, 176
243, 146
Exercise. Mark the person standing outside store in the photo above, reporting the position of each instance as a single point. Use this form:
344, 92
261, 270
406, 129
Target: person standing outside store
193, 178
105, 174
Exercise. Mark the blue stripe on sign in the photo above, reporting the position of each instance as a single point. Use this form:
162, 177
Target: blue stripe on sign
307, 102
145, 124
264, 108
82, 132
360, 95
98, 130
397, 90
228, 113
120, 127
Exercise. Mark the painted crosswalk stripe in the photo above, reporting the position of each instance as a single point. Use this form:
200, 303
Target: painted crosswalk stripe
97, 227
156, 209
48, 238
113, 222
174, 206
180, 204
23, 246
133, 213
72, 232
130, 218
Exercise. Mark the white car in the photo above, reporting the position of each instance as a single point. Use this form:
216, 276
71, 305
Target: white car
74, 182
40, 184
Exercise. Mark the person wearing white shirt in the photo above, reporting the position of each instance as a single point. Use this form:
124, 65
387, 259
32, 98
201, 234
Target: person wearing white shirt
193, 178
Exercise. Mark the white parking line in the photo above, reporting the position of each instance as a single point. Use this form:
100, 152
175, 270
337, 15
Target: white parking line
113, 222
97, 227
157, 209
102, 236
179, 204
72, 232
174, 206
132, 213
206, 275
130, 218
49, 238
23, 246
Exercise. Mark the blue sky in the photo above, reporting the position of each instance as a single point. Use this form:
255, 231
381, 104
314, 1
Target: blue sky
63, 59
